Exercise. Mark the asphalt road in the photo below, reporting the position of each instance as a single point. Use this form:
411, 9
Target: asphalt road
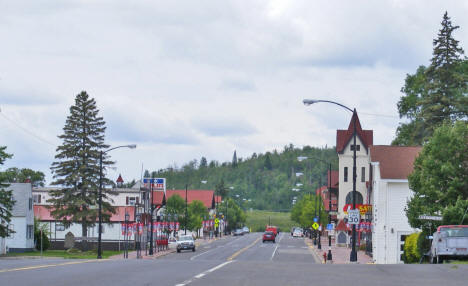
243, 260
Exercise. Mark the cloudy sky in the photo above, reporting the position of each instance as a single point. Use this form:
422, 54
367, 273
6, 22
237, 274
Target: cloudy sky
185, 79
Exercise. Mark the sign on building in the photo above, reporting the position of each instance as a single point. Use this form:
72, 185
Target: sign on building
158, 184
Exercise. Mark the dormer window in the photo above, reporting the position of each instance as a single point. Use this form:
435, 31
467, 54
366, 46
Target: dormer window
358, 147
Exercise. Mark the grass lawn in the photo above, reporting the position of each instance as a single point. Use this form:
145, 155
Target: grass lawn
64, 254
257, 220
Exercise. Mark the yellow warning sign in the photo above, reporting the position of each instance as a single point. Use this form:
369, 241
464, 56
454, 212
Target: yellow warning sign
315, 226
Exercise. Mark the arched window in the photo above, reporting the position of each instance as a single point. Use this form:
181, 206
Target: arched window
349, 198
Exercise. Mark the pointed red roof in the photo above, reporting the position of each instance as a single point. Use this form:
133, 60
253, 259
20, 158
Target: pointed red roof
344, 136
119, 179
341, 226
159, 198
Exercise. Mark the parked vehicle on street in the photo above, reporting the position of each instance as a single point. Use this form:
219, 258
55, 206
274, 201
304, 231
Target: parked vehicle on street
245, 229
269, 236
449, 242
185, 242
237, 232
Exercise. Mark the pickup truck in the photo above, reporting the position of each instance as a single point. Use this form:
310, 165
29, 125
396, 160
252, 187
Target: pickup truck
449, 242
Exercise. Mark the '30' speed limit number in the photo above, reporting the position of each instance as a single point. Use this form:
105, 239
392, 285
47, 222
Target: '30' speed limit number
354, 217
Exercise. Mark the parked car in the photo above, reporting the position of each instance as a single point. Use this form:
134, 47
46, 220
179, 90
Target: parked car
237, 232
269, 236
245, 229
449, 242
185, 242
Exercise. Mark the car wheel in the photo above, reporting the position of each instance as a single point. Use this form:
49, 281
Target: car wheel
440, 260
193, 249
274, 241
263, 241
178, 250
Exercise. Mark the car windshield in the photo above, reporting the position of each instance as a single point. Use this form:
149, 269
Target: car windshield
455, 231
185, 238
269, 232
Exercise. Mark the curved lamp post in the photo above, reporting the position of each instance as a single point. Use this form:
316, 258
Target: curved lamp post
353, 255
101, 153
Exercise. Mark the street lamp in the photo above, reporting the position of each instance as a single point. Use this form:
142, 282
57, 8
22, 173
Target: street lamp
185, 231
101, 153
353, 255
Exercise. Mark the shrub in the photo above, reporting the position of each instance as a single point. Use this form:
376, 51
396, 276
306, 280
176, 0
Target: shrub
45, 241
411, 253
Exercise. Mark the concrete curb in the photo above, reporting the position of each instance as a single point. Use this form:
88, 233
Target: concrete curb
313, 251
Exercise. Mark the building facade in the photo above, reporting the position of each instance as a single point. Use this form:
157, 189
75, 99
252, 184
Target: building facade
345, 148
390, 192
22, 220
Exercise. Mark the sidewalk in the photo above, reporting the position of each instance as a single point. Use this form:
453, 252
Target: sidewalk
157, 254
340, 255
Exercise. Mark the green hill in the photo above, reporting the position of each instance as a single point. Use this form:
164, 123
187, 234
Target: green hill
261, 181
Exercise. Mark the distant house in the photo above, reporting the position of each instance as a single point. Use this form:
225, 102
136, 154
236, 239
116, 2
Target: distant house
22, 220
389, 192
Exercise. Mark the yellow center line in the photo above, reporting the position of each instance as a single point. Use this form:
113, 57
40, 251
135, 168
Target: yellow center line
47, 265
243, 249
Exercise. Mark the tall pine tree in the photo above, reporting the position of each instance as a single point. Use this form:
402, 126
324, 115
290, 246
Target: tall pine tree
436, 93
76, 167
6, 197
234, 159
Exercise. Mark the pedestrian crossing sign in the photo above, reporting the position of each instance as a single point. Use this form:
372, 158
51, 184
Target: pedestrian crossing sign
315, 226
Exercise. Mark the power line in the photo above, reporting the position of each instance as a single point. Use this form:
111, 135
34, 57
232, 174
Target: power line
26, 130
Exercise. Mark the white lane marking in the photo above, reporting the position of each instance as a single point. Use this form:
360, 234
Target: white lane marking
219, 266
273, 254
198, 276
219, 246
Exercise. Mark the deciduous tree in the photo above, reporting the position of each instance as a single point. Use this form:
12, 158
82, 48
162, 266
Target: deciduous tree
6, 198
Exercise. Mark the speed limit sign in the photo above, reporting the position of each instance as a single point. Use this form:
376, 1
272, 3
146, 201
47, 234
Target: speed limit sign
354, 216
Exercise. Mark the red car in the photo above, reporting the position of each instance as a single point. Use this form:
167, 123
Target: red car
269, 236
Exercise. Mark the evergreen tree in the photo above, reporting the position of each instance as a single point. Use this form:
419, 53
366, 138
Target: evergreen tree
267, 163
15, 175
221, 189
6, 198
76, 167
234, 160
437, 93
203, 162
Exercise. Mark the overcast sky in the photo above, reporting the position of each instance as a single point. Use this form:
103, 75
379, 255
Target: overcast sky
186, 79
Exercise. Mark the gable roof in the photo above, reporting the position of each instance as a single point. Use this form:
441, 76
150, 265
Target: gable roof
159, 199
119, 179
344, 136
396, 162
206, 196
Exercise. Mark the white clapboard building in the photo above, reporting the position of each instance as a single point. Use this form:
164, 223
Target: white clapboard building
390, 167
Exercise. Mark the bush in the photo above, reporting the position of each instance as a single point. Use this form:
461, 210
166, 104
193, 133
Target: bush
411, 252
45, 241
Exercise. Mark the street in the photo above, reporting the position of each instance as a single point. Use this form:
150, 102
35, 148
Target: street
242, 260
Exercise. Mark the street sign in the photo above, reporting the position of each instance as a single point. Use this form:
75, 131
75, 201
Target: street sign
331, 232
315, 225
315, 219
354, 217
330, 226
216, 221
430, 217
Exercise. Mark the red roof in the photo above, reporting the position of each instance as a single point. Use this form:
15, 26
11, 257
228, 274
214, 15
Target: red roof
334, 178
159, 198
396, 162
218, 199
341, 226
119, 179
206, 196
344, 136
320, 190
43, 213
